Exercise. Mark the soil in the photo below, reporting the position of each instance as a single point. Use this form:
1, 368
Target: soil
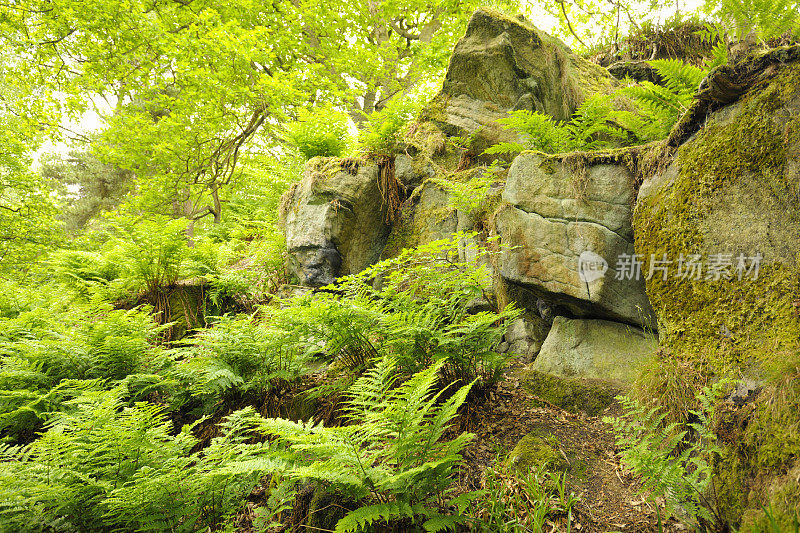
610, 497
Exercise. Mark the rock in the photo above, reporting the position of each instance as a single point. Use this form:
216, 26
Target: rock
540, 453
412, 171
636, 70
554, 216
591, 396
525, 336
503, 64
333, 220
596, 350
426, 216
746, 391
728, 189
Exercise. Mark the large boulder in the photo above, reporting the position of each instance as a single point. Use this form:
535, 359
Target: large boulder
503, 64
559, 216
595, 349
723, 205
333, 220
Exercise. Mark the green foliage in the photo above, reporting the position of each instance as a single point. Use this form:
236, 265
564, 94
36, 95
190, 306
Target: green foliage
238, 356
383, 130
91, 187
663, 106
101, 465
515, 501
47, 357
539, 131
673, 463
28, 211
591, 24
155, 249
391, 453
760, 18
599, 122
595, 124
213, 81
467, 195
323, 132
421, 308
713, 35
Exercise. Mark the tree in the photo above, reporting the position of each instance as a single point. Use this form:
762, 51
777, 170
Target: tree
92, 186
192, 83
27, 208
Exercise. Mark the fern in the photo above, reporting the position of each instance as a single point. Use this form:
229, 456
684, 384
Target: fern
714, 36
595, 124
539, 131
763, 18
392, 450
101, 465
670, 464
662, 106
365, 516
467, 196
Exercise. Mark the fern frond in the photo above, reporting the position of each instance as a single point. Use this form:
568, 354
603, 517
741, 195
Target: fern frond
363, 517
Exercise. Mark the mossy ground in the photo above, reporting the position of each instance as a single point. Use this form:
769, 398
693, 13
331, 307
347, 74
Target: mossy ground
574, 395
732, 327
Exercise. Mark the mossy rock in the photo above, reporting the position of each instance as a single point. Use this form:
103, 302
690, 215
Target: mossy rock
505, 63
427, 216
334, 219
596, 350
733, 188
537, 452
587, 395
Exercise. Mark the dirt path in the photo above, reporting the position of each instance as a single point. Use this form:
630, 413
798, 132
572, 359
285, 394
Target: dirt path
609, 497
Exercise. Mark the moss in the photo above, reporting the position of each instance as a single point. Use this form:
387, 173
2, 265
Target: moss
737, 326
536, 452
589, 396
730, 485
436, 110
427, 138
773, 435
326, 508
590, 78
321, 169
672, 223
414, 222
782, 502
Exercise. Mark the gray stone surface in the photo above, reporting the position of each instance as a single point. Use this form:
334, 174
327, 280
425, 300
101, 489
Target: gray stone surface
551, 216
427, 216
595, 349
333, 221
504, 63
524, 337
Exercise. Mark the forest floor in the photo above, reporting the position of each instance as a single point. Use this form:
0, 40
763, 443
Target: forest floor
610, 499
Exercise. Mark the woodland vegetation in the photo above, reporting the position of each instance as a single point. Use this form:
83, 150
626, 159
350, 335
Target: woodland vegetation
156, 370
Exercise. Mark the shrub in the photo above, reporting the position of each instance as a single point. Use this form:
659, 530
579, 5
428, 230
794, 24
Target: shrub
383, 130
101, 465
237, 356
674, 463
322, 132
